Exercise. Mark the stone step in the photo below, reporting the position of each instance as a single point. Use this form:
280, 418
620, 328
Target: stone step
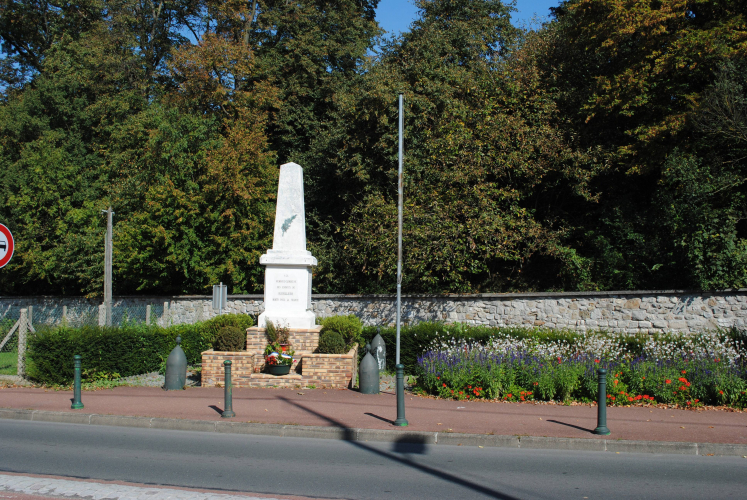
267, 376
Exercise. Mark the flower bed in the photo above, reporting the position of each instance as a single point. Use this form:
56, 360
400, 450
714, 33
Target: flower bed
708, 368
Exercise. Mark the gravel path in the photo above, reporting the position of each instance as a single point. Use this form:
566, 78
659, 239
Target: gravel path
155, 379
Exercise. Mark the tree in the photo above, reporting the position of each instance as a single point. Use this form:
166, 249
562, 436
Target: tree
479, 142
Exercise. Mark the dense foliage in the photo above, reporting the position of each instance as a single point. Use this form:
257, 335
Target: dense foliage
605, 150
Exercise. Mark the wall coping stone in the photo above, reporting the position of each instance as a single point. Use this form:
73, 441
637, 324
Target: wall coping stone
322, 296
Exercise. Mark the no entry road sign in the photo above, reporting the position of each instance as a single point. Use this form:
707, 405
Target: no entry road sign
6, 245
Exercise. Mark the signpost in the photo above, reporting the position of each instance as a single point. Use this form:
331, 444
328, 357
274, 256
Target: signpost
7, 245
220, 297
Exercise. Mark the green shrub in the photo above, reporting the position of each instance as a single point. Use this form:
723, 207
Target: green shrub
349, 327
209, 329
108, 351
331, 342
230, 338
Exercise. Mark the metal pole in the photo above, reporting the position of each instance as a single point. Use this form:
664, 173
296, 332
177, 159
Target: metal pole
108, 266
602, 404
77, 405
401, 421
228, 393
399, 226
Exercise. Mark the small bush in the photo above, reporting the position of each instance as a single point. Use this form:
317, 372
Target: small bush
349, 327
230, 338
210, 328
331, 342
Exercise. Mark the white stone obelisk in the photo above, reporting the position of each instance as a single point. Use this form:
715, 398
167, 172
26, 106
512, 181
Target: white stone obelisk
288, 265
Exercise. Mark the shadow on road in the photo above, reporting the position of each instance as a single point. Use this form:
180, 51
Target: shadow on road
407, 444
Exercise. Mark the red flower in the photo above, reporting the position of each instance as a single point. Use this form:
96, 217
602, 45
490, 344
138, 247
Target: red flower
688, 403
720, 392
444, 385
613, 398
596, 361
684, 371
460, 392
682, 379
536, 383
469, 387
687, 384
438, 378
668, 381
682, 387
717, 360
631, 399
510, 396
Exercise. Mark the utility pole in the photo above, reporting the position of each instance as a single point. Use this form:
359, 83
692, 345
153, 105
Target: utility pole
401, 421
108, 266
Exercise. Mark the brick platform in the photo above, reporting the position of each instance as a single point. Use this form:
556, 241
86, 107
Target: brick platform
308, 369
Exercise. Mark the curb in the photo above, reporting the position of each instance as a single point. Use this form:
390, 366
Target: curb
382, 435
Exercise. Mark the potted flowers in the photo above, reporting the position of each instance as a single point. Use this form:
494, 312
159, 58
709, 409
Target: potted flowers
278, 353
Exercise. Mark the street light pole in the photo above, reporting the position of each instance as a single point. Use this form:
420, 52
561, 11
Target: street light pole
401, 421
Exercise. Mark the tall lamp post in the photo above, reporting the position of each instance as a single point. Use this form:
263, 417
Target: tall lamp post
401, 421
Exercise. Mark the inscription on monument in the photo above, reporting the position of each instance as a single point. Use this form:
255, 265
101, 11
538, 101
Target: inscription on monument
286, 289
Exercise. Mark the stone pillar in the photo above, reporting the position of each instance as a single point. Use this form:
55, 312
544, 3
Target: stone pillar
288, 264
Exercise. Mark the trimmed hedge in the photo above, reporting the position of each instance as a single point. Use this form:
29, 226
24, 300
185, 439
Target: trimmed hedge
112, 352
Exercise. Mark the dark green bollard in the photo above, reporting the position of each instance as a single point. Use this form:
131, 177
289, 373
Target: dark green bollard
369, 380
602, 406
228, 396
176, 368
401, 421
77, 405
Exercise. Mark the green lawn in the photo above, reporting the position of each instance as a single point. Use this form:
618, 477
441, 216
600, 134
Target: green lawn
8, 363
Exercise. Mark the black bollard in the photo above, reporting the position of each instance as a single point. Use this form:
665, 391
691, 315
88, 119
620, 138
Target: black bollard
401, 421
602, 429
228, 396
77, 405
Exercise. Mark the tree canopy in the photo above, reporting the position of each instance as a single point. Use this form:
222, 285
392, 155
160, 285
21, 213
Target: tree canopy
605, 150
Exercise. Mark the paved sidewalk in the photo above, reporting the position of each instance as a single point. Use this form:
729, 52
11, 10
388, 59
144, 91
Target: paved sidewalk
346, 414
33, 487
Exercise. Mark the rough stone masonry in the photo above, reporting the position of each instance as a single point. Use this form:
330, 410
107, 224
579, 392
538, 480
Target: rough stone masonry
631, 312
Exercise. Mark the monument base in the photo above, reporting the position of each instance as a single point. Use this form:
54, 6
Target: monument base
309, 369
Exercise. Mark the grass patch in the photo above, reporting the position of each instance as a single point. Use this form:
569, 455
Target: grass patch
8, 363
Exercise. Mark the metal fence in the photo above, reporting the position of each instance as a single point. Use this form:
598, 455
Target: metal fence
17, 321
8, 343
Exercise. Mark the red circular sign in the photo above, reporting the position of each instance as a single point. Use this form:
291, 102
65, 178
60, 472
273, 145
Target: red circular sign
6, 245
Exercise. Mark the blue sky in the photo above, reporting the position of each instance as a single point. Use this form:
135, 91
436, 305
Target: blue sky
396, 15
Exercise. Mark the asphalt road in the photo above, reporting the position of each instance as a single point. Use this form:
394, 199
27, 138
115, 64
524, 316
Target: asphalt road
339, 469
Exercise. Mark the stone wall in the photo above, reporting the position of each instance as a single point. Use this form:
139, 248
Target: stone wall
632, 312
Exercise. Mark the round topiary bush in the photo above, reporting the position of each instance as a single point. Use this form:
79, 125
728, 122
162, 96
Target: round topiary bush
349, 327
331, 342
230, 338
